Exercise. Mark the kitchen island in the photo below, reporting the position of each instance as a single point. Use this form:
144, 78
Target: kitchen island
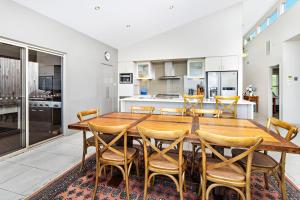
244, 108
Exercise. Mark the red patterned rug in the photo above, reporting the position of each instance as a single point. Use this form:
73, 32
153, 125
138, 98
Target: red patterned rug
74, 184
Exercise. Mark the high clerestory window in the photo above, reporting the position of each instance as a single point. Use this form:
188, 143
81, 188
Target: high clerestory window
283, 6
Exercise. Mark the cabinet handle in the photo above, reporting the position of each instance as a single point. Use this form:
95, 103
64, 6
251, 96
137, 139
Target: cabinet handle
41, 110
33, 110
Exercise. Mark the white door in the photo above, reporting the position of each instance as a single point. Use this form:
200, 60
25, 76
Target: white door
107, 85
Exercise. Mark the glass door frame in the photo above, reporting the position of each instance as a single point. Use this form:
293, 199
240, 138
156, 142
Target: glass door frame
24, 65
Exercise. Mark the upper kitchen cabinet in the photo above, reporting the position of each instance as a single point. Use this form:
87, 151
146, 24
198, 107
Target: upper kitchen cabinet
230, 63
213, 64
226, 63
195, 68
144, 70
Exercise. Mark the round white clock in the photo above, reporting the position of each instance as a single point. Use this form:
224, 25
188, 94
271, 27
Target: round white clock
107, 55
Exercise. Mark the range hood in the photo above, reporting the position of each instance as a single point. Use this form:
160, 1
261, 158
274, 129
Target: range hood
169, 72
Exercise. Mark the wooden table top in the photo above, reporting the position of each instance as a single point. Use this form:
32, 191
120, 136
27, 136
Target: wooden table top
230, 127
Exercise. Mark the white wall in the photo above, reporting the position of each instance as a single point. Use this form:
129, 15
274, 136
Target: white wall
83, 70
219, 34
291, 88
257, 64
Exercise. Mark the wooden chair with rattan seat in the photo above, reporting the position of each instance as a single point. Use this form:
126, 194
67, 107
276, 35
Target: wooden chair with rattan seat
228, 106
90, 141
161, 162
262, 162
142, 109
224, 171
196, 146
169, 111
120, 157
192, 102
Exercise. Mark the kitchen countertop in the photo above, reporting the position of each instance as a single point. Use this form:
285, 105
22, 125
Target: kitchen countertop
177, 100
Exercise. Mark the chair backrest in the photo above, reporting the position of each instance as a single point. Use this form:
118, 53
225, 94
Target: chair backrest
176, 136
177, 111
193, 102
228, 105
142, 109
280, 127
117, 131
87, 113
208, 140
205, 112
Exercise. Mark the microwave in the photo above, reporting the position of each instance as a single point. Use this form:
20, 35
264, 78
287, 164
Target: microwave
126, 78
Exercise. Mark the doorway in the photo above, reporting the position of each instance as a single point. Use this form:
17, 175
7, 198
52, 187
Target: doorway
275, 92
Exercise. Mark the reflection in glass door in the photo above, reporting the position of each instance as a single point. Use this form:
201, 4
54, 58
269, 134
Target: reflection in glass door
12, 101
44, 91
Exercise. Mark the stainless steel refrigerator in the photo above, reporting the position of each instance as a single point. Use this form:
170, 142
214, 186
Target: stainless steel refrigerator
221, 84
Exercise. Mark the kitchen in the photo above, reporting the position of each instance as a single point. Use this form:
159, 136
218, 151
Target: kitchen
162, 83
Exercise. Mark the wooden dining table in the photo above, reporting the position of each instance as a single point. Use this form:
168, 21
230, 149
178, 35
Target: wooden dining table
227, 127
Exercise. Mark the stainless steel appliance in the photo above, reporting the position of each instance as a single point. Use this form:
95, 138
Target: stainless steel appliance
126, 78
45, 120
221, 83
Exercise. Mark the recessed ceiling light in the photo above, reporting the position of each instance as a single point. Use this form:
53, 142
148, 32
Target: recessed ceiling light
97, 8
128, 26
171, 7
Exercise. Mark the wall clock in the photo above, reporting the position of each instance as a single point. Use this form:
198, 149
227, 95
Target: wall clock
107, 55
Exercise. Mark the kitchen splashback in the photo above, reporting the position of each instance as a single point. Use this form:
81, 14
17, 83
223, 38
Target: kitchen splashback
158, 86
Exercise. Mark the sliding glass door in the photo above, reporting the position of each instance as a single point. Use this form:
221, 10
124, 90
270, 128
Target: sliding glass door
44, 92
12, 98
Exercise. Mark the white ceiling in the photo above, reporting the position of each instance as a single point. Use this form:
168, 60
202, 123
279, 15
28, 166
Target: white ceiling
146, 17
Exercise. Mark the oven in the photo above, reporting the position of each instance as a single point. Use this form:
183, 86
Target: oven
126, 78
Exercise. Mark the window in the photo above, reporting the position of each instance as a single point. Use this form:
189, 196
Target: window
288, 4
263, 25
273, 17
252, 35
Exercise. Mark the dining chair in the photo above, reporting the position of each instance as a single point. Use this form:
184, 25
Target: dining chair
223, 171
192, 102
172, 111
111, 154
162, 162
196, 145
142, 109
90, 141
228, 105
145, 110
262, 162
168, 111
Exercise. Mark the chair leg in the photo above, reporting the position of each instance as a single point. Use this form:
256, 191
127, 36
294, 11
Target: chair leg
248, 192
193, 158
203, 186
266, 181
283, 184
181, 186
83, 157
126, 181
146, 183
96, 181
136, 163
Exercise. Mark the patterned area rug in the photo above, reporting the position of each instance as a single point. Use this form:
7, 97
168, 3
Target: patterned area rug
74, 184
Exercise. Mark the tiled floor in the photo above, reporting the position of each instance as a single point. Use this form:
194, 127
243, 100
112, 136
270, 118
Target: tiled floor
21, 175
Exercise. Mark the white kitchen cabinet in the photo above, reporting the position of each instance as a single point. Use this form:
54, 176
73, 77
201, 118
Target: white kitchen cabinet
195, 68
213, 64
230, 63
144, 70
225, 63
